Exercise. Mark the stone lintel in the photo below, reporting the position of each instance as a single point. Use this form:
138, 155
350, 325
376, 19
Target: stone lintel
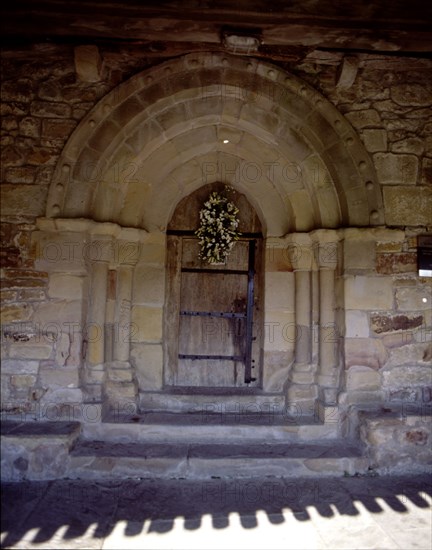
378, 234
96, 229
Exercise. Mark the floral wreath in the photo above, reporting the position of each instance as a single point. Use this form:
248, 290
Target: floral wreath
217, 232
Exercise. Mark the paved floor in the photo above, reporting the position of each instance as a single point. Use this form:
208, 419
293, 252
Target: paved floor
350, 512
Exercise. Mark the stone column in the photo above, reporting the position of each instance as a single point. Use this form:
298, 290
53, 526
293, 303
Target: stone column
123, 317
303, 316
121, 389
302, 392
326, 254
95, 330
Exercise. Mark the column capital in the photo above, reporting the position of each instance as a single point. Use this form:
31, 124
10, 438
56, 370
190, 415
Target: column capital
325, 244
300, 251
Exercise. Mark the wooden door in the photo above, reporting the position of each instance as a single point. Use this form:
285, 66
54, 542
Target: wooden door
213, 312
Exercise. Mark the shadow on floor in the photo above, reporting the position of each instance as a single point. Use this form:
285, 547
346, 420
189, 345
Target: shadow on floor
87, 511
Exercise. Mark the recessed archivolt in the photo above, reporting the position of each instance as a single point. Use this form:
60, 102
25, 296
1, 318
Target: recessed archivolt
205, 118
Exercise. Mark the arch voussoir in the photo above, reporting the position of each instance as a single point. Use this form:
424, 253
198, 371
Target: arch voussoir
189, 107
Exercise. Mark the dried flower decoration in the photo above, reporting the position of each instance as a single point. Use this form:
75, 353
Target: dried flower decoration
217, 232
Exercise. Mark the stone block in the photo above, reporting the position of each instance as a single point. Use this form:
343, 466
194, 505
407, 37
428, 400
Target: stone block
398, 339
419, 436
120, 375
406, 205
146, 324
375, 140
363, 378
426, 174
359, 255
356, 324
381, 323
20, 174
407, 376
15, 312
361, 398
17, 90
88, 63
380, 435
364, 118
64, 252
411, 145
149, 285
368, 293
59, 313
49, 461
23, 381
120, 392
148, 362
14, 366
399, 262
65, 286
279, 290
62, 349
29, 127
414, 298
410, 354
24, 350
279, 331
153, 252
59, 377
7, 296
50, 110
59, 396
409, 395
366, 352
9, 124
57, 129
31, 295
300, 202
411, 95
5, 392
396, 168
277, 366
24, 200
42, 156
276, 256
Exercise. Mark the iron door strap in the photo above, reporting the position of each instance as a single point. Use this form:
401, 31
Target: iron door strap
223, 314
249, 313
194, 357
247, 357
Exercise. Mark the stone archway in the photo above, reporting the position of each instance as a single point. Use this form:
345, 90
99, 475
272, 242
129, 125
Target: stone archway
211, 117
207, 118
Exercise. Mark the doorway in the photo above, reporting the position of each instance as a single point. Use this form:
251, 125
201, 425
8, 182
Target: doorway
214, 314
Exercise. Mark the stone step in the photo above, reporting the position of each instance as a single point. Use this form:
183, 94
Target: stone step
220, 400
36, 450
103, 460
32, 434
208, 428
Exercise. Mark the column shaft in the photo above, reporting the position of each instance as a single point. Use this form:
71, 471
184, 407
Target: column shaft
123, 329
96, 319
328, 333
303, 317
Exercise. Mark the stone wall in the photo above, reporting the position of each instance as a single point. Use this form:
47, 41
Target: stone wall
385, 329
387, 319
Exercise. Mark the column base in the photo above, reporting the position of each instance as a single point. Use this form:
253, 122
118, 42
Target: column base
302, 373
329, 414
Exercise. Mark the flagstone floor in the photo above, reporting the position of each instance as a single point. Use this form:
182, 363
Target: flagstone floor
339, 513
